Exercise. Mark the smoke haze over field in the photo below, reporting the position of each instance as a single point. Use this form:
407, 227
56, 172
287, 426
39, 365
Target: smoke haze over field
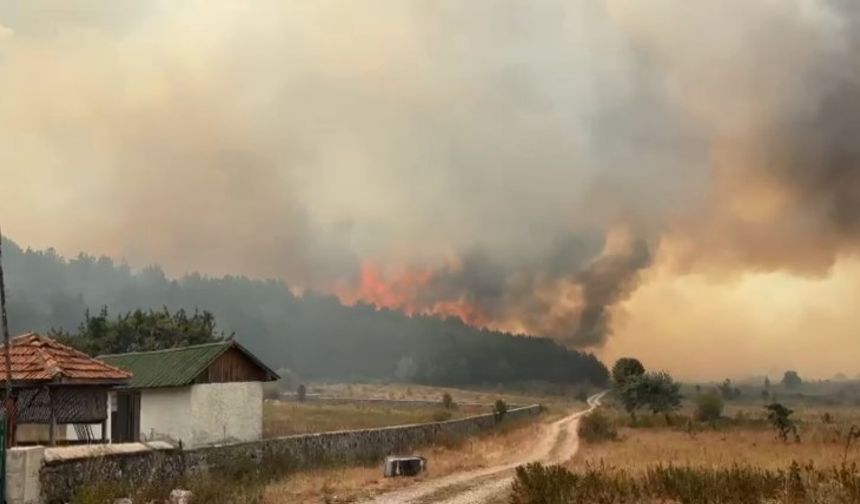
540, 167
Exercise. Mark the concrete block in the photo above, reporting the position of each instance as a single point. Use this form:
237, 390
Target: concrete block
23, 466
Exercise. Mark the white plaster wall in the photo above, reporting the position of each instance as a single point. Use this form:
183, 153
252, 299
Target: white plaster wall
227, 412
166, 414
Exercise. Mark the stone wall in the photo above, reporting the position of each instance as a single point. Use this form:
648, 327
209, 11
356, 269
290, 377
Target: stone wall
62, 476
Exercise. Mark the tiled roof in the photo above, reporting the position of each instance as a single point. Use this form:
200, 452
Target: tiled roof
36, 358
176, 367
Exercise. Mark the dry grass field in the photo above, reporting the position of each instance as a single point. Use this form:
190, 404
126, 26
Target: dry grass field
285, 418
736, 459
354, 483
743, 438
639, 449
558, 396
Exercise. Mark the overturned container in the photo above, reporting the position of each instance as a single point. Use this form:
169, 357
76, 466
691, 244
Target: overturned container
404, 466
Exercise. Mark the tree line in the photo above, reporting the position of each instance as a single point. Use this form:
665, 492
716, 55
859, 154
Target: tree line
103, 306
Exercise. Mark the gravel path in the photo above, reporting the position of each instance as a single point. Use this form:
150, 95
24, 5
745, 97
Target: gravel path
557, 445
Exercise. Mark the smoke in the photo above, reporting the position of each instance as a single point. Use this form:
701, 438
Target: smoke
775, 89
516, 165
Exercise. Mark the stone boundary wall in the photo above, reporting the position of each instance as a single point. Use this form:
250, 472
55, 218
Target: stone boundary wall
61, 476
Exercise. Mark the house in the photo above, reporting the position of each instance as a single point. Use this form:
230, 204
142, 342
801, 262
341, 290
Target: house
196, 395
54, 385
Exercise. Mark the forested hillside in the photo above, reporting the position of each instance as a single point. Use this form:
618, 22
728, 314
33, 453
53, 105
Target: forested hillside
313, 335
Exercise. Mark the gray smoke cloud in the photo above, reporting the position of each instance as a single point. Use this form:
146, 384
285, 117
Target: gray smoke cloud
529, 159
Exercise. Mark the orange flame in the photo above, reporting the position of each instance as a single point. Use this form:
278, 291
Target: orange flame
403, 292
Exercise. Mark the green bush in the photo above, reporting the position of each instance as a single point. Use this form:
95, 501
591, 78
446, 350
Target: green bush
709, 407
597, 427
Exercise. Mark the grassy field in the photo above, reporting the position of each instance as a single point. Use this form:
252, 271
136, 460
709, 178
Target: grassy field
744, 437
353, 483
736, 459
285, 418
551, 395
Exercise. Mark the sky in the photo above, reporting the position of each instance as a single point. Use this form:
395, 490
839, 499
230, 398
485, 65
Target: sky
670, 180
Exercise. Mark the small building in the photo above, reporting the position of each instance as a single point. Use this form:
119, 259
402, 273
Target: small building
196, 395
55, 385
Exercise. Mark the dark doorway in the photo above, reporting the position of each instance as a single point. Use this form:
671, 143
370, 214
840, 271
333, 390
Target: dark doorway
125, 419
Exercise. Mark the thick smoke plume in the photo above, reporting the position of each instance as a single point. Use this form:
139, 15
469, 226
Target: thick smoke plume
518, 165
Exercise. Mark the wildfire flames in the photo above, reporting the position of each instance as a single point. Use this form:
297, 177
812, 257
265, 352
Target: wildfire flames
406, 291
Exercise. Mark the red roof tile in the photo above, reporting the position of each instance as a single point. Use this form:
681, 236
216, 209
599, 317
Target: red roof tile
37, 358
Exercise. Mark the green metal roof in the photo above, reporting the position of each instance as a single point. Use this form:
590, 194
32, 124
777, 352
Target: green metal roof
173, 367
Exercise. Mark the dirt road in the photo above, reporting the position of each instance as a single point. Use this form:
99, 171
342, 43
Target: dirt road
558, 444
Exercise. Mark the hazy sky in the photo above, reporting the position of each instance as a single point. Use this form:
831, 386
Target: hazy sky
672, 179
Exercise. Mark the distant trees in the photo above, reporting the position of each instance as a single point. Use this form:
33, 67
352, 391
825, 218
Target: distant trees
312, 335
636, 389
141, 331
728, 391
791, 380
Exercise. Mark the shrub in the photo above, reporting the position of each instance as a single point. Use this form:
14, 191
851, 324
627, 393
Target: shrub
709, 407
301, 392
536, 484
597, 427
500, 410
447, 401
780, 417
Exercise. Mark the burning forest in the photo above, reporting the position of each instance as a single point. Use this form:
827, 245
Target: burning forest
547, 169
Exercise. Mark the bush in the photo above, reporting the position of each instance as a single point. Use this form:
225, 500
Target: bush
780, 417
709, 407
301, 393
536, 484
597, 427
447, 401
500, 410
